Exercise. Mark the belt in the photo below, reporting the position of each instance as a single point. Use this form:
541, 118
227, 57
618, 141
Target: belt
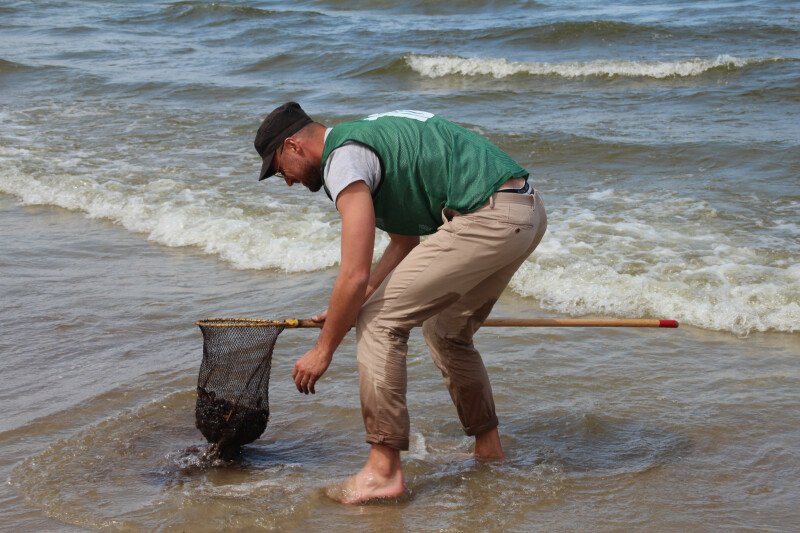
525, 189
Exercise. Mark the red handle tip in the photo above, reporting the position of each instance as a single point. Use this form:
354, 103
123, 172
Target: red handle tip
668, 323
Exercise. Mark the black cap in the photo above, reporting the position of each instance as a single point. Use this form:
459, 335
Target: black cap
279, 125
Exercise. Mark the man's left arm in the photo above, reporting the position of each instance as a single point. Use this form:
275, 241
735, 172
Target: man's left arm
349, 291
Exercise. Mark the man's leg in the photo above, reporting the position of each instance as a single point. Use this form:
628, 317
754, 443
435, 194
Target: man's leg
449, 337
436, 274
411, 293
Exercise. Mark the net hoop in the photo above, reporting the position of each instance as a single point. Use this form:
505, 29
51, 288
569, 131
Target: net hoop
246, 323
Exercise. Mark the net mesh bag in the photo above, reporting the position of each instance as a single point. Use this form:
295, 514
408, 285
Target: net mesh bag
232, 406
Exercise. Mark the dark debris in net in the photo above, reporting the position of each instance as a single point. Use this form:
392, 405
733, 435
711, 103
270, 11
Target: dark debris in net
226, 425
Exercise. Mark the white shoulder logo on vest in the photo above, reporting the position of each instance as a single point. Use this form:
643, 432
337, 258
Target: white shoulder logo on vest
422, 116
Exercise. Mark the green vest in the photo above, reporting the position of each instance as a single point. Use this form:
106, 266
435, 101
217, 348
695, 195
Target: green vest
427, 164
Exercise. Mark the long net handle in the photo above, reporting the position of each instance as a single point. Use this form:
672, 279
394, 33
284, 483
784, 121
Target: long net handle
581, 323
492, 323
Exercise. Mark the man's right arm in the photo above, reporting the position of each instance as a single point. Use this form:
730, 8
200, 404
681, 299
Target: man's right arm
399, 247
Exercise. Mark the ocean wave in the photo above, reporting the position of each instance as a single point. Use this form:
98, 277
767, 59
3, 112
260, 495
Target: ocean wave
269, 63
784, 92
256, 234
205, 13
611, 249
603, 32
198, 9
618, 260
606, 31
626, 260
437, 66
573, 31
427, 7
11, 66
582, 289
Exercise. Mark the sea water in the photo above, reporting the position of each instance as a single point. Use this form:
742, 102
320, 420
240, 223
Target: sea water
663, 137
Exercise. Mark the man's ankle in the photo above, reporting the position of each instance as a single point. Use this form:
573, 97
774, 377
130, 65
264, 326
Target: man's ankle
488, 445
384, 461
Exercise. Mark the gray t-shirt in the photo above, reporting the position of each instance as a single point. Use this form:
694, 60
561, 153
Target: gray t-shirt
349, 163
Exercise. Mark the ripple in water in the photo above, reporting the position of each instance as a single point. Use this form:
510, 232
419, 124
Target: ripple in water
591, 443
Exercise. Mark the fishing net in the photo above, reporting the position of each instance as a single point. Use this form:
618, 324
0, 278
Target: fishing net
232, 406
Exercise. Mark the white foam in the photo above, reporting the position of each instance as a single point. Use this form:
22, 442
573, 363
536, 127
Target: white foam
244, 490
601, 195
623, 253
10, 151
248, 233
436, 66
418, 448
788, 227
631, 263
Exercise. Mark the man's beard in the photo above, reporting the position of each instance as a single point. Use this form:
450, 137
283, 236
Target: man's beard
312, 176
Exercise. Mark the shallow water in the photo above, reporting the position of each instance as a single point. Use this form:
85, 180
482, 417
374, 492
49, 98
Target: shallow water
662, 136
604, 429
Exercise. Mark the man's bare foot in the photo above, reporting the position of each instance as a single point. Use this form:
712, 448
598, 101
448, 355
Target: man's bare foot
381, 478
365, 487
488, 445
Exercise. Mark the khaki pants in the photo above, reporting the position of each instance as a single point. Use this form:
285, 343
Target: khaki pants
448, 284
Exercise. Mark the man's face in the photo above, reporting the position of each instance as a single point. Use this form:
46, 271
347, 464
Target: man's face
293, 166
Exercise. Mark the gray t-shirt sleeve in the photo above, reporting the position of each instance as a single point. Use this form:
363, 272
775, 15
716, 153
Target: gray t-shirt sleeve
349, 163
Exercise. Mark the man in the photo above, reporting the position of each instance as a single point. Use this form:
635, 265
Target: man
409, 173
